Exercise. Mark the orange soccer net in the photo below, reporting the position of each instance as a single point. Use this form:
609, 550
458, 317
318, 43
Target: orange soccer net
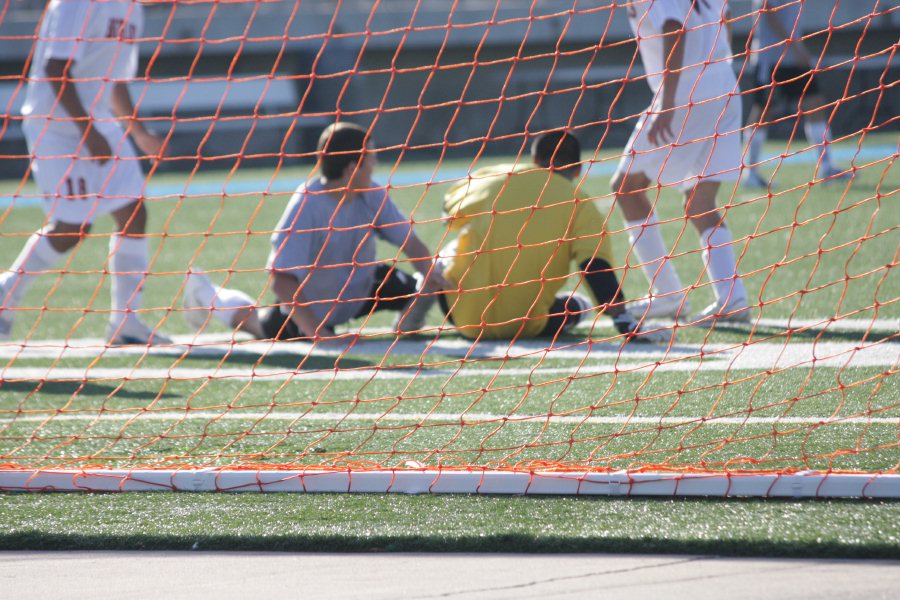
484, 313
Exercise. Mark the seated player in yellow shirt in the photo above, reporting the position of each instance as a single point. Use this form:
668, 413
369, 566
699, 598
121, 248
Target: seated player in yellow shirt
519, 229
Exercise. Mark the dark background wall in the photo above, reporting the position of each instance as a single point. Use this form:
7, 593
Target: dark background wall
434, 83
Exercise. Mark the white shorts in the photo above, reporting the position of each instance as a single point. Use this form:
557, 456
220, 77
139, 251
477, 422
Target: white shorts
74, 188
707, 144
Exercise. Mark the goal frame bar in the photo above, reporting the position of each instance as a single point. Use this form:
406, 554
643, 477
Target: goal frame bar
805, 484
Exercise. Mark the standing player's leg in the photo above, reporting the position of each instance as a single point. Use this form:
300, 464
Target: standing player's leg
67, 202
667, 293
232, 307
43, 250
818, 134
755, 133
128, 262
718, 255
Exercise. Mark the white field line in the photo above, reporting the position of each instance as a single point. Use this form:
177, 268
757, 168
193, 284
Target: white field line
467, 419
597, 359
374, 341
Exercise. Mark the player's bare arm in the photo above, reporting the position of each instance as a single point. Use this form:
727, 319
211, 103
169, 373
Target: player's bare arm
149, 143
660, 130
287, 291
58, 74
422, 261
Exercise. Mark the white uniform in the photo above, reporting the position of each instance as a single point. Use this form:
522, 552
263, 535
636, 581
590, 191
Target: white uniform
707, 121
98, 38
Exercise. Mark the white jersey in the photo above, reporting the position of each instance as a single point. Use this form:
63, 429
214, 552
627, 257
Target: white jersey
769, 48
707, 57
98, 37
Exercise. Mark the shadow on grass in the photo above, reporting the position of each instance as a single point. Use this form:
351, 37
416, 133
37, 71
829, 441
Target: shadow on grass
506, 543
310, 362
71, 388
772, 334
520, 536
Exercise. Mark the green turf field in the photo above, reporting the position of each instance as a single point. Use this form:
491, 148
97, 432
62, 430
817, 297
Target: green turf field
810, 385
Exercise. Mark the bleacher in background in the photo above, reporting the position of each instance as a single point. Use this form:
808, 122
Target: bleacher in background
261, 78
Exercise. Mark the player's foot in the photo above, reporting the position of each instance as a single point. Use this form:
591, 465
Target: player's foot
669, 306
198, 294
5, 328
835, 175
134, 332
641, 334
735, 311
411, 317
752, 179
577, 307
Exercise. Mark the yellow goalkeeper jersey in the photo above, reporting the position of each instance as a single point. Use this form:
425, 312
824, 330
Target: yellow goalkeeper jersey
522, 233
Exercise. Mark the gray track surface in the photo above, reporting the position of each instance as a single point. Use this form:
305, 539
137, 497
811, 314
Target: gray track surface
173, 575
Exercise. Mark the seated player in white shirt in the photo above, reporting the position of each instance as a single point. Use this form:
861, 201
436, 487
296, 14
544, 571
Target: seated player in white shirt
322, 262
688, 137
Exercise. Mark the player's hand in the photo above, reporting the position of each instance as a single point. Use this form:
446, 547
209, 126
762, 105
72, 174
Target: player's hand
97, 145
660, 132
151, 144
436, 282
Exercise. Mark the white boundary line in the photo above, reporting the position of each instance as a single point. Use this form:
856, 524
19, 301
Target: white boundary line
435, 481
596, 358
176, 414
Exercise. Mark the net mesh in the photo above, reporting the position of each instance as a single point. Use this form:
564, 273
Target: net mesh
112, 357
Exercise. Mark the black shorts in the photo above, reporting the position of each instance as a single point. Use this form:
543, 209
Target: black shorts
791, 82
391, 290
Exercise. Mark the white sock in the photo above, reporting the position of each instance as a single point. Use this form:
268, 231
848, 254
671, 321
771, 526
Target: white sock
648, 244
36, 256
226, 301
720, 268
223, 301
128, 266
756, 137
818, 135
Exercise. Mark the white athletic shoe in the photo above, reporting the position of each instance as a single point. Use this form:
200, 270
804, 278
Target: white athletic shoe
411, 318
835, 175
134, 332
736, 311
5, 328
752, 179
670, 306
641, 334
197, 285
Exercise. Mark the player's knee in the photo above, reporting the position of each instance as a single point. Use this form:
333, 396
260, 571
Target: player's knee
65, 236
132, 219
615, 184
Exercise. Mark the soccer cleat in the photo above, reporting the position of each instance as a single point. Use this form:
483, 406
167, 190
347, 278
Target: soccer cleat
134, 332
835, 175
752, 179
411, 317
670, 306
633, 332
736, 311
199, 292
5, 328
577, 306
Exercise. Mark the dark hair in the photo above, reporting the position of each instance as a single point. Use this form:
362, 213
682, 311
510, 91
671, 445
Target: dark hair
341, 144
556, 149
